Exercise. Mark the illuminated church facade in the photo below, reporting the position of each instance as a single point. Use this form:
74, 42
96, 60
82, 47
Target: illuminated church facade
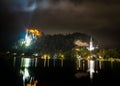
91, 47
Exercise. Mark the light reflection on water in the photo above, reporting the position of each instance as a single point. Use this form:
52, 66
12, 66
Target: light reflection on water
83, 68
88, 67
91, 68
27, 74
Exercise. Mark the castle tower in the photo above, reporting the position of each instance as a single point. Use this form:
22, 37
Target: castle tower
31, 36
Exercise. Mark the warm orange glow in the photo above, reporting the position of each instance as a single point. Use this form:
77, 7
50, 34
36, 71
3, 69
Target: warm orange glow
32, 84
35, 31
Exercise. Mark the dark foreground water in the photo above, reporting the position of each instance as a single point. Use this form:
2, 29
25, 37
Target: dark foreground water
22, 71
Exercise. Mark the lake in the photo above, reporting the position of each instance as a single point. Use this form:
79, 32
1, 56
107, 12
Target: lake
20, 71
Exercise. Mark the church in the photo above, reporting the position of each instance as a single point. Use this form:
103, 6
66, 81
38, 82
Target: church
91, 47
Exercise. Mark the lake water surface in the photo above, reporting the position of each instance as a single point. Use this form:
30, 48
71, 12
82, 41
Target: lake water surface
40, 72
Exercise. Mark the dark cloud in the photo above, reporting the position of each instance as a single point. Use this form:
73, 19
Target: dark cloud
99, 18
84, 15
19, 5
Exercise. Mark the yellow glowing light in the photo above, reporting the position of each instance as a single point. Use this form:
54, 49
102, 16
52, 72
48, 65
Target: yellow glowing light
61, 55
35, 32
32, 84
46, 56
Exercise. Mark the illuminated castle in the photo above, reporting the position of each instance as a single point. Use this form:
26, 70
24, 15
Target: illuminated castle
31, 36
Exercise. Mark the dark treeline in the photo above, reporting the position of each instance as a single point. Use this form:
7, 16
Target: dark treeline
52, 43
62, 44
59, 42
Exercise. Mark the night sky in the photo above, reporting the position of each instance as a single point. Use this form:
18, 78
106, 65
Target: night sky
98, 18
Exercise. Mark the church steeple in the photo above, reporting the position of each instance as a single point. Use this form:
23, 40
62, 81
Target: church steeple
91, 47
